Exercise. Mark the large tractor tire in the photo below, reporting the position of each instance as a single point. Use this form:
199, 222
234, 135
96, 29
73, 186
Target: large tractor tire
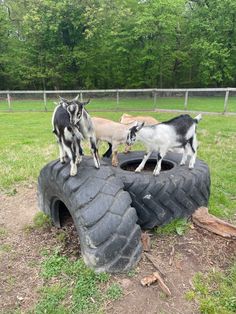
100, 208
175, 193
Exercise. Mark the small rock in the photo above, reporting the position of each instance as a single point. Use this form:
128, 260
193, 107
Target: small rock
125, 283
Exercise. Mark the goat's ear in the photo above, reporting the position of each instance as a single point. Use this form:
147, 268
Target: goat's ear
63, 99
85, 102
139, 126
63, 102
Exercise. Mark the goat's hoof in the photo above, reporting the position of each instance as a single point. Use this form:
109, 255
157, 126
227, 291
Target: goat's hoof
182, 164
115, 164
78, 161
137, 170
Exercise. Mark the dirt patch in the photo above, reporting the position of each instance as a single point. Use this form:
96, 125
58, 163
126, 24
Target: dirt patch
178, 257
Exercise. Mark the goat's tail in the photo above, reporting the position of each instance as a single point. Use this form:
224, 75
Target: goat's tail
198, 118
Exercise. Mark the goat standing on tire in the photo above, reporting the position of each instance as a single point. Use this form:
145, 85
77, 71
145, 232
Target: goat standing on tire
71, 124
177, 132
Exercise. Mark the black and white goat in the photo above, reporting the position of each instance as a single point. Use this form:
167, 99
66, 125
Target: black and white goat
71, 124
165, 136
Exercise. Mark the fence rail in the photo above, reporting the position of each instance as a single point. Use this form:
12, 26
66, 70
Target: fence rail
118, 92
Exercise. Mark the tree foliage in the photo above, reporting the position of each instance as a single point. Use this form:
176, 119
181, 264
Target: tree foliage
66, 44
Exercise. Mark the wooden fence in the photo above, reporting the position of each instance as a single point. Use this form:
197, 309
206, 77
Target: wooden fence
118, 93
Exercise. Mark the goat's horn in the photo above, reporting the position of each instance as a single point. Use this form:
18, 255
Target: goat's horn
76, 98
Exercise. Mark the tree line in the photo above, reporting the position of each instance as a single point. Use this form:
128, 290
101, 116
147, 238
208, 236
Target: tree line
71, 44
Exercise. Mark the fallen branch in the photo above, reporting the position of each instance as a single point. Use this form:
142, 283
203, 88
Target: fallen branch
171, 255
154, 262
146, 241
203, 219
147, 281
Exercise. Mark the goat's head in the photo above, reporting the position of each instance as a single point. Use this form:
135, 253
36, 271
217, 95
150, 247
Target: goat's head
131, 137
74, 107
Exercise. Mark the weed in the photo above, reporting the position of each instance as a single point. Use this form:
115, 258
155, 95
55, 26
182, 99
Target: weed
41, 221
3, 233
61, 236
10, 281
177, 226
5, 248
132, 273
11, 192
215, 292
53, 265
51, 300
190, 295
114, 292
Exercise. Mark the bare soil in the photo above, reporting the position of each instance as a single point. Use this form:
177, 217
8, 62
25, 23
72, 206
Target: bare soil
178, 257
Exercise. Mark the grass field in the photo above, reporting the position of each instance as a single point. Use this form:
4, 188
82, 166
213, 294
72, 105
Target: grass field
27, 143
207, 104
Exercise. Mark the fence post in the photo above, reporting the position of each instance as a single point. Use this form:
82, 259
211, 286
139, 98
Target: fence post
226, 100
45, 101
81, 97
9, 101
117, 99
155, 100
186, 100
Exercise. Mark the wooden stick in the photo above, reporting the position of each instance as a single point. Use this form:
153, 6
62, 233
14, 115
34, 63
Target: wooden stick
154, 262
163, 286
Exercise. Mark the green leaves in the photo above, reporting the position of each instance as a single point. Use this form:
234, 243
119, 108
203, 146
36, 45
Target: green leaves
117, 44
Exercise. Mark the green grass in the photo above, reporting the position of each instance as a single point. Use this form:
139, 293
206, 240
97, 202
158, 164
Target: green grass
177, 226
78, 289
3, 233
27, 144
208, 104
215, 292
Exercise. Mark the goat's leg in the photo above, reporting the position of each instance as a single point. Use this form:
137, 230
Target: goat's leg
62, 153
94, 151
71, 154
127, 149
185, 155
160, 157
79, 151
108, 153
193, 145
145, 158
114, 160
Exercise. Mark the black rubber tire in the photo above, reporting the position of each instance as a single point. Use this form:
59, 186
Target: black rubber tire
175, 193
100, 208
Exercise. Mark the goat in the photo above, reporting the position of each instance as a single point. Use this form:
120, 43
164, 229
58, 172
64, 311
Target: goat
71, 124
112, 132
162, 137
127, 118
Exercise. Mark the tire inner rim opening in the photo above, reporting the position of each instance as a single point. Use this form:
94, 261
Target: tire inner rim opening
131, 165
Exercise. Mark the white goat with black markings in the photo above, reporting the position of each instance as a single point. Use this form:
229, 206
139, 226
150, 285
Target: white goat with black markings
127, 119
165, 136
71, 124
